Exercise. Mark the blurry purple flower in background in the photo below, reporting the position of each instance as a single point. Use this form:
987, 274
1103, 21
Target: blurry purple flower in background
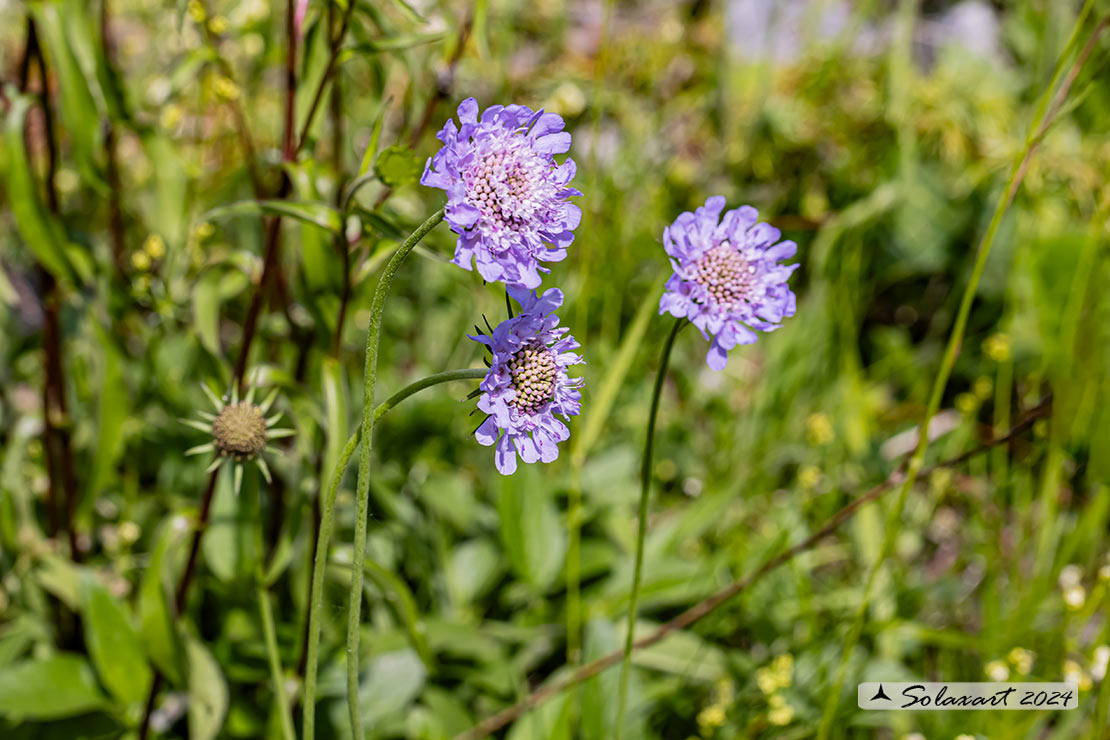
527, 382
727, 276
506, 194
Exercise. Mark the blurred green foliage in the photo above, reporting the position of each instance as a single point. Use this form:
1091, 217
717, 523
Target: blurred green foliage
883, 160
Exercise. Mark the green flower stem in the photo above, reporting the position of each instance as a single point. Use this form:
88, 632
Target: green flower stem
316, 598
641, 532
266, 609
373, 338
327, 523
1042, 120
471, 373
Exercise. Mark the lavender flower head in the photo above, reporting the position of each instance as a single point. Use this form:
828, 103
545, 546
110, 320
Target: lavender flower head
506, 194
727, 278
527, 384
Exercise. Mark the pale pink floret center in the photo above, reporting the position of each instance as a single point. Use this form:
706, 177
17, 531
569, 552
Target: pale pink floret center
725, 275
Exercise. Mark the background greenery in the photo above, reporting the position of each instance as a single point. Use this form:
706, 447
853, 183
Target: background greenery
881, 149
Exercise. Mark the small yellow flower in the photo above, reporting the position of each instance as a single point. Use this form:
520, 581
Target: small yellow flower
766, 680
1070, 575
711, 717
1100, 660
129, 532
997, 347
141, 261
1022, 660
809, 476
197, 11
982, 388
218, 25
965, 737
204, 230
966, 403
155, 246
1104, 573
171, 116
819, 429
783, 666
1075, 597
225, 88
781, 715
1074, 673
997, 670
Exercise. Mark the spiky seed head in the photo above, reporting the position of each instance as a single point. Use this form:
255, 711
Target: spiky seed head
239, 431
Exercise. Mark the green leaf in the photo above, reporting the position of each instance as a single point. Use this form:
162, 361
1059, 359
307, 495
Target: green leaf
474, 568
114, 645
315, 213
42, 232
531, 529
371, 153
56, 23
60, 686
394, 43
61, 577
206, 310
397, 166
207, 692
113, 408
392, 682
231, 543
398, 594
336, 406
157, 632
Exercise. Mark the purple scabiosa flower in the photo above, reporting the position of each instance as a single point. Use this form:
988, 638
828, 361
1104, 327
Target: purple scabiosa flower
727, 278
527, 384
506, 194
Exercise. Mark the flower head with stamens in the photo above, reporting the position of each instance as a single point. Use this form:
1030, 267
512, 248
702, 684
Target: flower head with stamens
506, 194
527, 385
728, 278
239, 429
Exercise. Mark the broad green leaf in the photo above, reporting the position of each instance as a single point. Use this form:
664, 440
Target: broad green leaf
391, 683
336, 409
397, 166
315, 213
398, 594
160, 638
550, 721
112, 411
79, 116
41, 231
474, 567
207, 692
171, 187
61, 577
230, 545
531, 529
371, 154
114, 645
206, 310
59, 686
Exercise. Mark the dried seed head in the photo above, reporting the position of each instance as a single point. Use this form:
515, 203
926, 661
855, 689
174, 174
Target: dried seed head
239, 431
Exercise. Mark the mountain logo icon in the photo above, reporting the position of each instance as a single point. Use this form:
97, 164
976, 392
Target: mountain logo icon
880, 694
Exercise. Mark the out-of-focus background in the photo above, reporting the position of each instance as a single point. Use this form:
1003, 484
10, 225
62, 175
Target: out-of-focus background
877, 135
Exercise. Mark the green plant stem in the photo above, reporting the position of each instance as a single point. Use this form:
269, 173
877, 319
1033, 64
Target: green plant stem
1042, 120
266, 610
470, 373
641, 530
373, 337
327, 525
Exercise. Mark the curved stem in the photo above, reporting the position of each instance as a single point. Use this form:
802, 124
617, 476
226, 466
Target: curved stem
385, 406
327, 524
641, 532
266, 610
373, 337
